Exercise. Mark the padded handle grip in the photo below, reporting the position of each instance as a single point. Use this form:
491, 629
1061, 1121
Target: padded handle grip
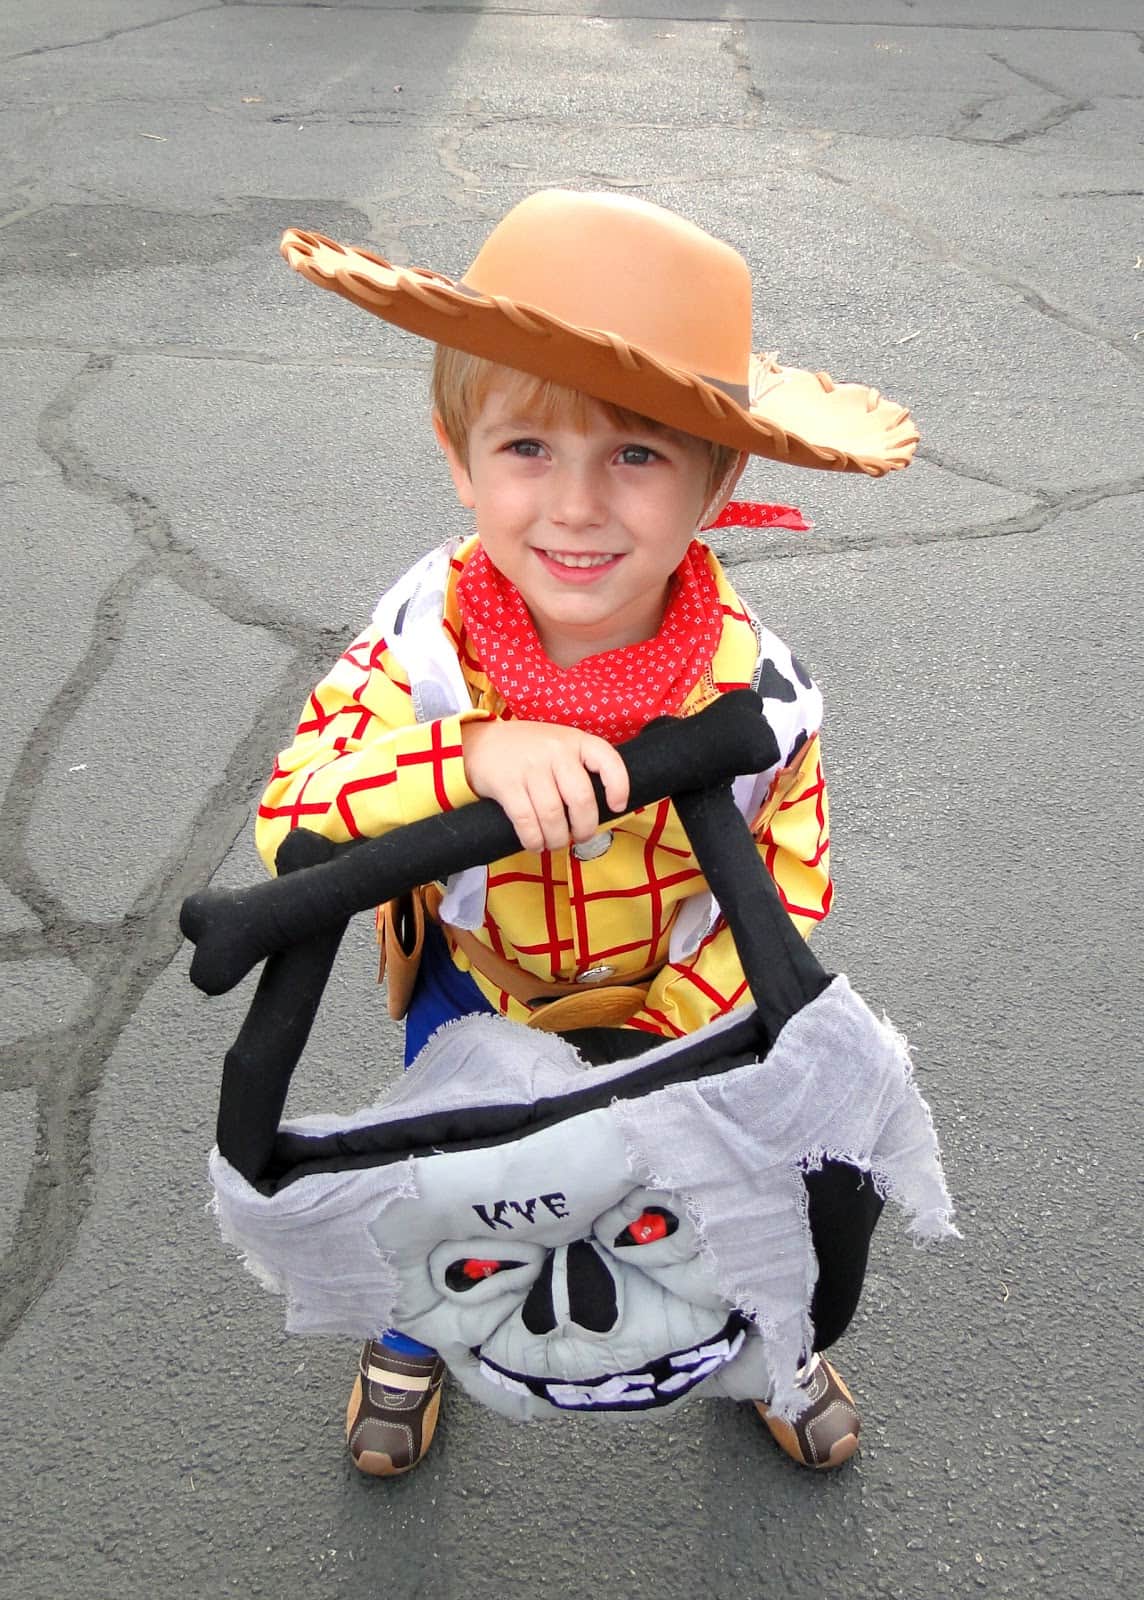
782, 972
257, 1069
235, 929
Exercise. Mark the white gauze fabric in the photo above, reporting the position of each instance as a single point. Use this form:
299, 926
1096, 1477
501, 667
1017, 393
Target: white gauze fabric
311, 1241
836, 1084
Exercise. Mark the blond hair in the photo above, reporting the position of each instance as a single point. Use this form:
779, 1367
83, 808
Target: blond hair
460, 385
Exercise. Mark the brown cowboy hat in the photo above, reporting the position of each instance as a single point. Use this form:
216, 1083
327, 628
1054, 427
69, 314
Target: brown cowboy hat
631, 304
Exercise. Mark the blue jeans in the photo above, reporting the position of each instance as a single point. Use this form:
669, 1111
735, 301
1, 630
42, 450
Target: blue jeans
441, 994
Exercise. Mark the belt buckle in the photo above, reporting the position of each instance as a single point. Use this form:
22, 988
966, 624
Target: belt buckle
598, 974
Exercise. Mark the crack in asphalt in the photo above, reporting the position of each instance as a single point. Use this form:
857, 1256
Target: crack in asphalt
1047, 509
36, 757
112, 348
971, 113
945, 251
66, 1067
478, 10
10, 217
993, 480
1051, 119
479, 122
121, 960
449, 140
184, 566
463, 183
735, 46
75, 938
1096, 194
1027, 77
597, 14
112, 33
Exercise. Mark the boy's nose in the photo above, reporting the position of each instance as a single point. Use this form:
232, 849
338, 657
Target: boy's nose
576, 500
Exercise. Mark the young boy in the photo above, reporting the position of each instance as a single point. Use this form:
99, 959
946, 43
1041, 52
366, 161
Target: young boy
596, 400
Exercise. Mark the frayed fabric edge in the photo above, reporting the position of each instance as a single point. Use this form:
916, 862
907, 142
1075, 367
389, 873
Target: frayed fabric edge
259, 1271
266, 1231
889, 1135
785, 1350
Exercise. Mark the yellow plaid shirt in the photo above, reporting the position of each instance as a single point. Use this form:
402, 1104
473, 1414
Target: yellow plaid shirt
361, 764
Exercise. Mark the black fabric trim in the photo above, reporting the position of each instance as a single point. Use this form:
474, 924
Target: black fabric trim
298, 1155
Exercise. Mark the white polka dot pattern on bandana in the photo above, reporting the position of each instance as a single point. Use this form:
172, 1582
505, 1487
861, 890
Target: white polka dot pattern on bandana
613, 694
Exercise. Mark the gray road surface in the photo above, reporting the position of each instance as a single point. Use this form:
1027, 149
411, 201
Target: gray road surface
208, 472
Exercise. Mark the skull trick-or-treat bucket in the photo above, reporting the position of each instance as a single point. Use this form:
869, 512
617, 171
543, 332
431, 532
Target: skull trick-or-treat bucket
574, 1233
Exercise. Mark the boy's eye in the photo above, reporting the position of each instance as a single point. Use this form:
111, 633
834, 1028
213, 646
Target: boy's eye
637, 455
526, 447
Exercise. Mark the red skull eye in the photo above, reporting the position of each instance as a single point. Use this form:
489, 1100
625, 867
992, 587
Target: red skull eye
470, 1270
648, 1226
479, 1269
652, 1224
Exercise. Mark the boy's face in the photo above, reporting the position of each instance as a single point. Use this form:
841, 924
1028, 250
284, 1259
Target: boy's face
589, 524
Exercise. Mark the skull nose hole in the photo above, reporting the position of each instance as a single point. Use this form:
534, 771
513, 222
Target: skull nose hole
589, 1286
591, 1289
537, 1312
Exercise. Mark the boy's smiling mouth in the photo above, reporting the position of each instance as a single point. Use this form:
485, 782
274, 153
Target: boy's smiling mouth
568, 558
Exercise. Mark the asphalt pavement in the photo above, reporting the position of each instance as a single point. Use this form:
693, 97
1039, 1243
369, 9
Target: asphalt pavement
209, 472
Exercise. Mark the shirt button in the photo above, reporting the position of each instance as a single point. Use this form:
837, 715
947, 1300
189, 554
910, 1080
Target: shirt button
595, 974
589, 849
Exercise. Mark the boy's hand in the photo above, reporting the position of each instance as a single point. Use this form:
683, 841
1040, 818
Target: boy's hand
538, 772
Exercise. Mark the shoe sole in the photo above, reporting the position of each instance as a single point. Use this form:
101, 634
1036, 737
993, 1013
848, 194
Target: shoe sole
787, 1440
372, 1462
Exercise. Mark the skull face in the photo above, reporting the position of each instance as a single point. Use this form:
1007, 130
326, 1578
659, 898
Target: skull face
557, 1273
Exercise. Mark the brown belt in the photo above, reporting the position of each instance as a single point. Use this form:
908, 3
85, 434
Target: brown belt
554, 1005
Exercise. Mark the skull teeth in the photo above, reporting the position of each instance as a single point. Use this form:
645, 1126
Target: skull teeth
627, 1388
717, 1351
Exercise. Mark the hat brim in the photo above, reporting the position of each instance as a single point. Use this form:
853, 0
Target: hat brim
794, 416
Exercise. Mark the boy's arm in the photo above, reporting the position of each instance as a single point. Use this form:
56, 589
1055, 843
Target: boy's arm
793, 836
358, 734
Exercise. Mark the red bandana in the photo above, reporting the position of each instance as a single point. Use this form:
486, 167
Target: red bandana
753, 514
613, 694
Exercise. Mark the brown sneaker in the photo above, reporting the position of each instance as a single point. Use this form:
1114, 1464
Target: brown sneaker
826, 1434
393, 1409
